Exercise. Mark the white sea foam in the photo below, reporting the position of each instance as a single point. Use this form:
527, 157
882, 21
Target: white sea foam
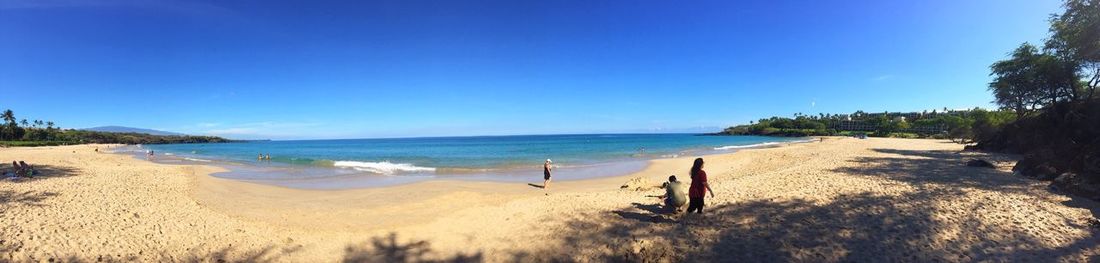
731, 147
196, 160
384, 167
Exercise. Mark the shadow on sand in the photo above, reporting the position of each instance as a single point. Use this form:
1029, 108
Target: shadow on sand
864, 227
24, 198
42, 172
389, 249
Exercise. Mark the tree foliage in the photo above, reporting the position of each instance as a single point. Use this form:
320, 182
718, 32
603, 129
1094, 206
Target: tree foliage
1053, 91
47, 133
1067, 68
1075, 36
963, 126
1030, 79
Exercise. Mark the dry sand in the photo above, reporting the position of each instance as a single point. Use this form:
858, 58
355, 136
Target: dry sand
844, 199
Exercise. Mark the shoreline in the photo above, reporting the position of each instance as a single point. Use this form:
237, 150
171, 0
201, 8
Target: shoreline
831, 201
339, 178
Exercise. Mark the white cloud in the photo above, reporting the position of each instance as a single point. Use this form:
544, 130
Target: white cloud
883, 77
260, 130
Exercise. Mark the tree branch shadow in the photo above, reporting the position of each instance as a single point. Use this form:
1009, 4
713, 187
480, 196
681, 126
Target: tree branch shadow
389, 249
918, 225
935, 169
25, 198
43, 172
268, 253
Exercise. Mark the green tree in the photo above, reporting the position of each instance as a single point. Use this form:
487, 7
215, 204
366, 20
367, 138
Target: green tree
883, 126
1056, 78
1030, 79
959, 129
902, 125
10, 125
985, 124
1075, 36
9, 117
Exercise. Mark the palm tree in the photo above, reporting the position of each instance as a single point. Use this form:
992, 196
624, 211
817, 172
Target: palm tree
49, 125
9, 129
9, 117
24, 122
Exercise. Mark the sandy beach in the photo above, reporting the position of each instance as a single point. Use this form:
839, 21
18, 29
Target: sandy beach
843, 199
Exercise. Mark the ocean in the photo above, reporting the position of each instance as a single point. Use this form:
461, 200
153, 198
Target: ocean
358, 163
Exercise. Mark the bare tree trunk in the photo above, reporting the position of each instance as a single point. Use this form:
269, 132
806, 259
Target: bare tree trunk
1093, 83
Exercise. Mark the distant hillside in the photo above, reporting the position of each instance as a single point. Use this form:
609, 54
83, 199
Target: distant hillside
121, 129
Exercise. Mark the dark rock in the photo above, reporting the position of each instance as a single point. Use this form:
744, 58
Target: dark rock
980, 163
1044, 172
1064, 137
1079, 185
1064, 178
1090, 163
1032, 167
1024, 165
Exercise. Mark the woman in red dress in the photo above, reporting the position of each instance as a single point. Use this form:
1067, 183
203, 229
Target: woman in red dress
699, 187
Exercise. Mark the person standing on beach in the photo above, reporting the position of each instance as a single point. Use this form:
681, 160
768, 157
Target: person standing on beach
546, 174
699, 187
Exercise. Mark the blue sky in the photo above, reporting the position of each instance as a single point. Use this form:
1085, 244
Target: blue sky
358, 69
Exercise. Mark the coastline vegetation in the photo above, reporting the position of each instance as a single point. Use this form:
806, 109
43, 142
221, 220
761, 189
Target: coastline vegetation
1049, 108
961, 126
1053, 90
45, 133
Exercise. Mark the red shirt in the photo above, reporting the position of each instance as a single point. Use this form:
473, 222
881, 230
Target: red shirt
697, 189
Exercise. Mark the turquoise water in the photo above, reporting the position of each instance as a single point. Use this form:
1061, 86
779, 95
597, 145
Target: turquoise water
368, 162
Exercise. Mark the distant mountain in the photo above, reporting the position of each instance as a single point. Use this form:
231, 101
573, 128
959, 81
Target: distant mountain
120, 129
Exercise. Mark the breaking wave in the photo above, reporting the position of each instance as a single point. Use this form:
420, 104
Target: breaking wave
731, 147
383, 167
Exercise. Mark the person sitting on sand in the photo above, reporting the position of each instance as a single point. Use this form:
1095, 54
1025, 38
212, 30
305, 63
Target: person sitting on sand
16, 169
546, 174
699, 187
674, 197
27, 169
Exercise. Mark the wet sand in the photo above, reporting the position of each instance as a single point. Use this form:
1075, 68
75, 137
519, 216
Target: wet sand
843, 199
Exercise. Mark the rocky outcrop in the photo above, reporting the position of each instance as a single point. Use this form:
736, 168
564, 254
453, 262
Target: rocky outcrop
1063, 139
1075, 184
1036, 168
980, 163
